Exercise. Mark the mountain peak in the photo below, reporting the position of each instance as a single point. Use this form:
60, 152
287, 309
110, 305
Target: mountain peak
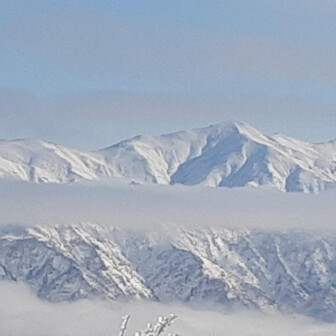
237, 127
231, 124
227, 154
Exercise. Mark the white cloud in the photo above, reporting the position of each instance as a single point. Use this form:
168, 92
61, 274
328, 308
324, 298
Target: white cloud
22, 314
150, 207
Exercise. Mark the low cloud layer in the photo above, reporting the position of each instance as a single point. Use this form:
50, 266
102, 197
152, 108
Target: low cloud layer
164, 207
23, 314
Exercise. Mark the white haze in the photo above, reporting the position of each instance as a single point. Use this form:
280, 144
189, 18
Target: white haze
22, 314
164, 207
159, 208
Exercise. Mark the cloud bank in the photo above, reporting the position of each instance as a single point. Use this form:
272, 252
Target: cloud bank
23, 314
163, 207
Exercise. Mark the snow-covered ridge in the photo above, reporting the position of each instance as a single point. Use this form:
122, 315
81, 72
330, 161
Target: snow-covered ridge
231, 154
290, 272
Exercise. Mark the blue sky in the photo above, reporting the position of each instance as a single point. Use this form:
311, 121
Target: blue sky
90, 73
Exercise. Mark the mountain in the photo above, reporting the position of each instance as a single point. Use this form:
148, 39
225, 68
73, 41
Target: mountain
37, 161
222, 269
231, 154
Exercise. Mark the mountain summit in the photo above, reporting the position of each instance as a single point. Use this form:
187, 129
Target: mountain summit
230, 154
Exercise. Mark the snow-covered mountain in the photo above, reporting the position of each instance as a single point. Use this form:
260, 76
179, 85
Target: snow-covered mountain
231, 154
290, 272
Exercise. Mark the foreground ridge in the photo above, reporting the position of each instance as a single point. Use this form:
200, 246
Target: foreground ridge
231, 154
226, 269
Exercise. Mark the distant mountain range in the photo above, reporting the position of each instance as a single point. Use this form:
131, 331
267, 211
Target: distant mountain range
230, 154
292, 272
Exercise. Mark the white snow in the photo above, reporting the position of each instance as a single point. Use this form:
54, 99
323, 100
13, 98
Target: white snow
231, 154
217, 269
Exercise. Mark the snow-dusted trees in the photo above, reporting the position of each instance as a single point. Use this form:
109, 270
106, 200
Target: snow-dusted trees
123, 325
151, 330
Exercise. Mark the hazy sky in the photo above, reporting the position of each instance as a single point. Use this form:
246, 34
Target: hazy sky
89, 73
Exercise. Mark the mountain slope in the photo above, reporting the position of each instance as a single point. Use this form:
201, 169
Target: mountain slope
42, 162
227, 269
231, 154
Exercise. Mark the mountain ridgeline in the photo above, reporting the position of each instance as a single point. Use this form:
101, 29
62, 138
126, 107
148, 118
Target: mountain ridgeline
220, 269
231, 154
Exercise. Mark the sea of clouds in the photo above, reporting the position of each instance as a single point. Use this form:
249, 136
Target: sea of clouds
164, 207
161, 209
22, 314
